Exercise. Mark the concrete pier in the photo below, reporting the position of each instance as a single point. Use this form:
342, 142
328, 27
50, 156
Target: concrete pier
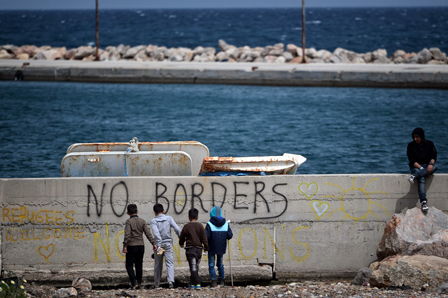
291, 227
267, 74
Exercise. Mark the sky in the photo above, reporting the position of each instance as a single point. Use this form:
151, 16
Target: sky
147, 4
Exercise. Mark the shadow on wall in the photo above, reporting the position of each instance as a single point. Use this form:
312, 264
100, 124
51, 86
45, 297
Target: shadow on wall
411, 199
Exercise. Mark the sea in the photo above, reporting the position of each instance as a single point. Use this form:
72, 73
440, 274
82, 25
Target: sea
338, 130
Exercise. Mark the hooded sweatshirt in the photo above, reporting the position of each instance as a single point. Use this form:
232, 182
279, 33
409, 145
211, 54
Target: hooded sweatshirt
422, 153
161, 228
217, 231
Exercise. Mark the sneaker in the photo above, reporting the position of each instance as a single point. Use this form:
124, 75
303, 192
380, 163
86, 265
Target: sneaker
214, 284
221, 282
155, 286
424, 207
198, 287
170, 285
411, 179
134, 287
192, 287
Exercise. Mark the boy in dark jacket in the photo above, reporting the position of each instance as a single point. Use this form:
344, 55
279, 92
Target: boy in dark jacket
193, 235
134, 247
218, 232
422, 155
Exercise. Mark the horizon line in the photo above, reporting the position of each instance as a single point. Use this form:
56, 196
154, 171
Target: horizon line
200, 8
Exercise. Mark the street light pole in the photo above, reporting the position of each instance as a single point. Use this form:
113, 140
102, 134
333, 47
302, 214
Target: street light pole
97, 58
303, 31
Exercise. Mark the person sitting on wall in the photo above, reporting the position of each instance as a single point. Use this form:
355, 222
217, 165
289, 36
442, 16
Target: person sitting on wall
422, 155
161, 227
134, 247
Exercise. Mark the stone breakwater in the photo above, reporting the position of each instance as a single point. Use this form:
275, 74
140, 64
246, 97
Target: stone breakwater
227, 53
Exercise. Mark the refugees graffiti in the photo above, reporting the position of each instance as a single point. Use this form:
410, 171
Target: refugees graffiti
23, 215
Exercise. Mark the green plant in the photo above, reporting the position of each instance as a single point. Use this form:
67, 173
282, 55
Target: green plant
12, 289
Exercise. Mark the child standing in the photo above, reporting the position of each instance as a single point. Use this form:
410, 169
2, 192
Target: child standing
161, 227
217, 231
134, 247
193, 235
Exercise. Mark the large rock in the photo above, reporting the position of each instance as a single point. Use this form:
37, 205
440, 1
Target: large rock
115, 56
65, 292
122, 49
82, 284
82, 52
397, 54
288, 56
362, 276
23, 56
70, 54
292, 48
53, 54
413, 233
424, 56
415, 271
223, 45
437, 54
133, 51
5, 55
322, 54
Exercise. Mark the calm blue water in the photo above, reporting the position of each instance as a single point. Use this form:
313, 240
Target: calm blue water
356, 29
339, 130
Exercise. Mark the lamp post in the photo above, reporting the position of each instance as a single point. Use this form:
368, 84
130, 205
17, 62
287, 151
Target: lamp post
303, 31
97, 57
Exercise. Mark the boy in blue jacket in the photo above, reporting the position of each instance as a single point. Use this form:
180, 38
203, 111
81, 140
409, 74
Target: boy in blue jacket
218, 232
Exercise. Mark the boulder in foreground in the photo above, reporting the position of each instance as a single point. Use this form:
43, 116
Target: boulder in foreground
416, 271
415, 232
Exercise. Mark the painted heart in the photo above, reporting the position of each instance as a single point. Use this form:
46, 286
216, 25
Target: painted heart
319, 208
308, 189
46, 252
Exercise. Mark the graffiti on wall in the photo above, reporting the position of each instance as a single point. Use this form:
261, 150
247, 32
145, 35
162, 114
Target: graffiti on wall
320, 208
51, 226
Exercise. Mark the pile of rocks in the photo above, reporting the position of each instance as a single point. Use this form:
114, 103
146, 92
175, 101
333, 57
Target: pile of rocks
412, 253
228, 53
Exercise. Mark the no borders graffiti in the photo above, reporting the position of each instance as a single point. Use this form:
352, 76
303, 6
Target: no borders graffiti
180, 197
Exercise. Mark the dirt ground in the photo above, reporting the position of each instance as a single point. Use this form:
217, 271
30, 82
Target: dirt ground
299, 289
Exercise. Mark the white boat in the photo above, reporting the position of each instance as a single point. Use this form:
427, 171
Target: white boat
196, 152
279, 165
188, 158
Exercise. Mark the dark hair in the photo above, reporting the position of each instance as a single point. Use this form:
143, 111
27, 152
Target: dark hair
193, 213
132, 209
158, 208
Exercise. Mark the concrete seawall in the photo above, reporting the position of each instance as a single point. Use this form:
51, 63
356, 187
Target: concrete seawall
290, 227
340, 75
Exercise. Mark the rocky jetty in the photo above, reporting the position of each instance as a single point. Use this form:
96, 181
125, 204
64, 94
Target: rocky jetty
277, 53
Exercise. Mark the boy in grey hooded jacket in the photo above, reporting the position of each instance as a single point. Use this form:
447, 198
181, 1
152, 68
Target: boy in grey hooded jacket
161, 227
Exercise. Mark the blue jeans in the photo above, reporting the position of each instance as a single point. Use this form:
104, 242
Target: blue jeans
420, 175
219, 264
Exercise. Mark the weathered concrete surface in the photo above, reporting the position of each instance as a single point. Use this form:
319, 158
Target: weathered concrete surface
300, 226
343, 75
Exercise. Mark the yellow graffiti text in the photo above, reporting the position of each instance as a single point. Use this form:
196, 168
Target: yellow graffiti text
23, 215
